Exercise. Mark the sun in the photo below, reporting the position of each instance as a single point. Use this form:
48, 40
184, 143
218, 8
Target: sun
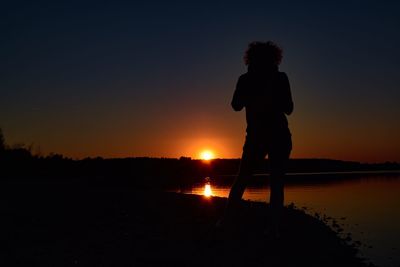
207, 155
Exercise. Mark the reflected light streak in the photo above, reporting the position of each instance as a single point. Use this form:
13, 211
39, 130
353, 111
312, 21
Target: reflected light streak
207, 190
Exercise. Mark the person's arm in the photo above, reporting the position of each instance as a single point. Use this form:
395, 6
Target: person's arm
287, 103
238, 96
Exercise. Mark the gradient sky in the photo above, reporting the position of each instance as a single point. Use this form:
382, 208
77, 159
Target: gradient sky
156, 78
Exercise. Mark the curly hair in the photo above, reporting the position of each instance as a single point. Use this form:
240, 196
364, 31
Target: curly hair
263, 53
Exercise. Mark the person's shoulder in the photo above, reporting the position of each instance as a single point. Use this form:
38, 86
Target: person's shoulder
244, 76
283, 76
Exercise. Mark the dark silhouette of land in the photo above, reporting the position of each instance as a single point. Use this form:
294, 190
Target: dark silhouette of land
161, 173
56, 211
61, 225
19, 163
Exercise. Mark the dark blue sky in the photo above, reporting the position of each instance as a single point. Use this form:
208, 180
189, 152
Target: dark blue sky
156, 78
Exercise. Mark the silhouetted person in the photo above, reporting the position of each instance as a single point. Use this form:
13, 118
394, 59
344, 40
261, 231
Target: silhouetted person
264, 92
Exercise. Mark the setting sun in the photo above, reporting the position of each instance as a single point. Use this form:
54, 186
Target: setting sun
206, 155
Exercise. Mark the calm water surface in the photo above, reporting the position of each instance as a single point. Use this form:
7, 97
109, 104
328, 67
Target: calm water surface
366, 207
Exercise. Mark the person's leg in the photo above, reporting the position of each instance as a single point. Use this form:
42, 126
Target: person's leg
278, 159
247, 163
239, 186
277, 191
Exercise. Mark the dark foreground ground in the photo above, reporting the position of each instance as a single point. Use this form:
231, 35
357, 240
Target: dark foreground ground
63, 226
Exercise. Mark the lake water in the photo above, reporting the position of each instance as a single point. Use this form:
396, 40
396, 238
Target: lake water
368, 207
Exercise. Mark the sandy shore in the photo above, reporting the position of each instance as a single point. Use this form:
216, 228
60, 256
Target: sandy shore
120, 227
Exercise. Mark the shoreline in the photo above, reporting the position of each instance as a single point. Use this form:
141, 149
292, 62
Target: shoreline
123, 227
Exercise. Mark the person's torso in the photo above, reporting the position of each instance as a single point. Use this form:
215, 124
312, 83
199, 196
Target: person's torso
263, 98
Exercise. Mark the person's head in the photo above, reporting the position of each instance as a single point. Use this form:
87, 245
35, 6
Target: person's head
263, 54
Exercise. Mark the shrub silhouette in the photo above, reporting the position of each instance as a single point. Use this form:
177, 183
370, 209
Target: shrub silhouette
2, 142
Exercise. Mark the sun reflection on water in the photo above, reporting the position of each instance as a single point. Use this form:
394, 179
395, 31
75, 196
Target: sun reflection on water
207, 190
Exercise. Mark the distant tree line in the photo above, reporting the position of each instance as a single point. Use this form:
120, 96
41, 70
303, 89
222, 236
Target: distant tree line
18, 162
